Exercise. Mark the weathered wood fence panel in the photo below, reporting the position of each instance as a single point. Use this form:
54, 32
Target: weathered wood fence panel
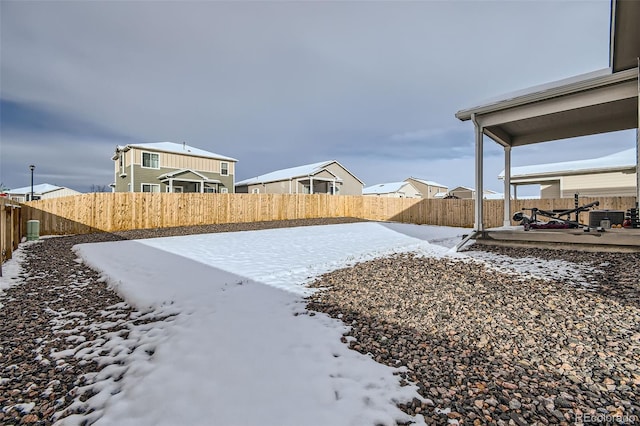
11, 230
112, 212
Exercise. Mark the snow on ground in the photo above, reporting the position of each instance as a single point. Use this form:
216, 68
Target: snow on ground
545, 269
245, 353
242, 349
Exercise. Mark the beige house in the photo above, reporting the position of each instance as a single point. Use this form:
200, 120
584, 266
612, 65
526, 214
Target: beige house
393, 190
171, 167
612, 175
428, 188
467, 193
327, 177
41, 191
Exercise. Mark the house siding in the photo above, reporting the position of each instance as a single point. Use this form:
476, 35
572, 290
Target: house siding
464, 194
551, 190
349, 185
170, 162
600, 185
427, 191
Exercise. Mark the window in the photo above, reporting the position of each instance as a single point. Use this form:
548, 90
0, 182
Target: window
224, 190
150, 160
255, 191
176, 189
150, 187
209, 190
224, 168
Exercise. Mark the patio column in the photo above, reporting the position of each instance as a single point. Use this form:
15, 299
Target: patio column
507, 186
202, 186
478, 225
310, 185
170, 184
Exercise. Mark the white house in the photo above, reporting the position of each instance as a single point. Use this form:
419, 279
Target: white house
611, 175
40, 192
392, 189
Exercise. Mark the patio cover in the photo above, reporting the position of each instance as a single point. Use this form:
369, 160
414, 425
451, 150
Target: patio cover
597, 102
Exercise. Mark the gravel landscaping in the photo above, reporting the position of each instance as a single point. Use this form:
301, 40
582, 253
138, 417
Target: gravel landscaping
484, 342
487, 346
58, 299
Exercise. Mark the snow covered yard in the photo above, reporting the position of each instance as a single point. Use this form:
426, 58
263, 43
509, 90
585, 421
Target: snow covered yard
243, 350
218, 331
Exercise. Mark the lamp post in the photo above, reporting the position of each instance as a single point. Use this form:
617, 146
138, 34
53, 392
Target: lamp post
31, 167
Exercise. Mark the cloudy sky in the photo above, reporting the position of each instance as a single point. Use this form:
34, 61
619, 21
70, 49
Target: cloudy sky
374, 85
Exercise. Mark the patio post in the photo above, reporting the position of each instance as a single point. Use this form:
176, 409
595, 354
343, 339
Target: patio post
310, 185
478, 225
507, 186
170, 184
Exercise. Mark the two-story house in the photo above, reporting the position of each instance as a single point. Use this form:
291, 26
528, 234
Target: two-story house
171, 167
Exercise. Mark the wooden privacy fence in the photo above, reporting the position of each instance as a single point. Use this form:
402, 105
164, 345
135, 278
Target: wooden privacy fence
10, 227
111, 212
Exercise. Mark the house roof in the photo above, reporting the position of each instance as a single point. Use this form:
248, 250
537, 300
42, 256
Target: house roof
596, 102
385, 188
622, 160
42, 188
428, 182
458, 188
292, 173
175, 148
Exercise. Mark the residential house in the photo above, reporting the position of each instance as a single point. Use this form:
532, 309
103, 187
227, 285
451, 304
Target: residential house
171, 167
41, 191
428, 188
611, 175
393, 189
327, 177
467, 193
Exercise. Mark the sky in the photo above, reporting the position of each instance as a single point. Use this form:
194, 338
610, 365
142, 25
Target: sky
374, 85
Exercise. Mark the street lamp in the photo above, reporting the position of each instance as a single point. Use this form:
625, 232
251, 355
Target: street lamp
32, 167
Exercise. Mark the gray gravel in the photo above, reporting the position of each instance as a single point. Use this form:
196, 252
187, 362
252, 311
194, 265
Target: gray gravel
485, 347
55, 295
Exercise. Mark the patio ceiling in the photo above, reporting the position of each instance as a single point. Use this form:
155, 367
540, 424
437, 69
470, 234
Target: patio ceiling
593, 103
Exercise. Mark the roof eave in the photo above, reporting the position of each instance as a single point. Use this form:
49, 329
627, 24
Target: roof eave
576, 87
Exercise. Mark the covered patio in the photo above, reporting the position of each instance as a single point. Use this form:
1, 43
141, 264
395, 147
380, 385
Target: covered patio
597, 102
187, 180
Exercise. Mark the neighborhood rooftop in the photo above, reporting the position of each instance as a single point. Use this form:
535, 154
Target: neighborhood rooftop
384, 188
428, 182
620, 160
42, 188
290, 173
177, 148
